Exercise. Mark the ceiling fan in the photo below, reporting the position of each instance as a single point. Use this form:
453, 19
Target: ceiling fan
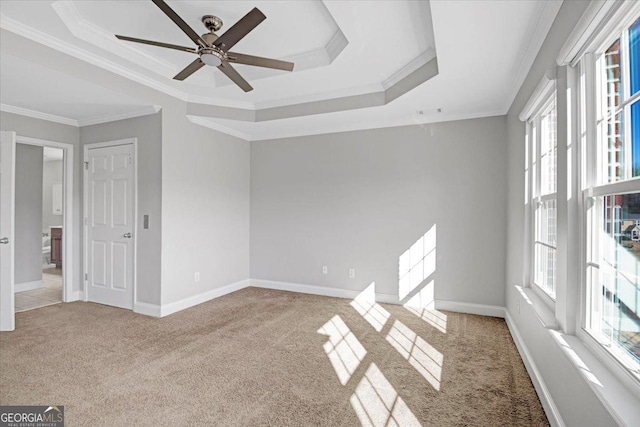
213, 49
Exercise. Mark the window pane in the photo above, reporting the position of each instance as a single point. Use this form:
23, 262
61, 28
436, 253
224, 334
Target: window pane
616, 295
613, 77
548, 151
634, 56
614, 155
545, 246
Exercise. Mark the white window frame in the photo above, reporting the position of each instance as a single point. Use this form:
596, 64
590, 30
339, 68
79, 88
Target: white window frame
596, 186
540, 105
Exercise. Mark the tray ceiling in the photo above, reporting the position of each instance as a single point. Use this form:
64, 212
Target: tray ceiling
359, 64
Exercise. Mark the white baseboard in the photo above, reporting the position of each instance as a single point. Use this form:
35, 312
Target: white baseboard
153, 310
550, 408
28, 286
191, 301
76, 296
470, 308
318, 290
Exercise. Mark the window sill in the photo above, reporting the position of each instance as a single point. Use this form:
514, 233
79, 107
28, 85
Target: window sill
618, 396
542, 310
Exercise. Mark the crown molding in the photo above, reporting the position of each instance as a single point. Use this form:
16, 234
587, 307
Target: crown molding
374, 124
38, 115
211, 124
145, 111
540, 29
409, 68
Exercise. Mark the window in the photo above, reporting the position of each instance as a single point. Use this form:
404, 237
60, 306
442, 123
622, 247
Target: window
544, 156
613, 202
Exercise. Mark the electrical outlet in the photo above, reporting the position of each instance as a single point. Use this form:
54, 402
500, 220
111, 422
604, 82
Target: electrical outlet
352, 273
325, 269
196, 276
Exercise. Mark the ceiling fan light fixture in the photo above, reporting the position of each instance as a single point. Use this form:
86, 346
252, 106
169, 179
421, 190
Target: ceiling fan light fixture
212, 57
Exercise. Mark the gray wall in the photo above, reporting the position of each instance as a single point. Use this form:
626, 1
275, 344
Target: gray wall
148, 131
577, 404
51, 174
205, 207
28, 214
42, 129
361, 199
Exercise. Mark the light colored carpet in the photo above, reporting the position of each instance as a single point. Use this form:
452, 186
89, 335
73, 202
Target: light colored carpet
264, 357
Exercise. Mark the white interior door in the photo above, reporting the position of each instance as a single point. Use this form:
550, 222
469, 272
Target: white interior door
110, 218
7, 198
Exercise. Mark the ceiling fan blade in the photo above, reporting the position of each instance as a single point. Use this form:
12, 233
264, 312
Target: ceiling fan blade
190, 69
159, 44
240, 29
231, 72
180, 23
258, 61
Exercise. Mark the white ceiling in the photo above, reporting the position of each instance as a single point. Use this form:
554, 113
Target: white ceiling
347, 54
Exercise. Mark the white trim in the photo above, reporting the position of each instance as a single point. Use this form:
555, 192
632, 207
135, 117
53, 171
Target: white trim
540, 96
550, 408
536, 37
68, 235
76, 296
27, 286
194, 300
152, 310
85, 243
7, 210
319, 290
38, 115
409, 68
471, 308
144, 111
599, 20
211, 123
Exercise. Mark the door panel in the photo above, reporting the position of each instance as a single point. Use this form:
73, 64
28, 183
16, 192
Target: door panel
7, 194
110, 225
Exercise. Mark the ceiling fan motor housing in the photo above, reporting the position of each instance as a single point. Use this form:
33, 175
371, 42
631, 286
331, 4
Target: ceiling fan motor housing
212, 22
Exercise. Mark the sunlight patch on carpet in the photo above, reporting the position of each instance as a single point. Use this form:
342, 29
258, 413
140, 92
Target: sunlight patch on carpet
377, 403
343, 348
420, 354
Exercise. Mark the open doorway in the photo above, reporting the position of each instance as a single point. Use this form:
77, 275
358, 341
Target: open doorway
39, 221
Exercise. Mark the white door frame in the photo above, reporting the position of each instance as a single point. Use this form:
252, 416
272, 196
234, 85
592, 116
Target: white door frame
67, 214
7, 310
85, 210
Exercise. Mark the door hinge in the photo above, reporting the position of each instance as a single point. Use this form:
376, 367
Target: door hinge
86, 277
86, 165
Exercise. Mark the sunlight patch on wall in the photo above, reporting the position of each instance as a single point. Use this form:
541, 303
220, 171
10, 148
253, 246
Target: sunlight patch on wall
420, 354
343, 349
377, 403
365, 304
417, 263
422, 304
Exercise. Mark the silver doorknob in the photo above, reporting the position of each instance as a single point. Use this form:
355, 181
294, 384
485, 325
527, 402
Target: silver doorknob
4, 240
127, 235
